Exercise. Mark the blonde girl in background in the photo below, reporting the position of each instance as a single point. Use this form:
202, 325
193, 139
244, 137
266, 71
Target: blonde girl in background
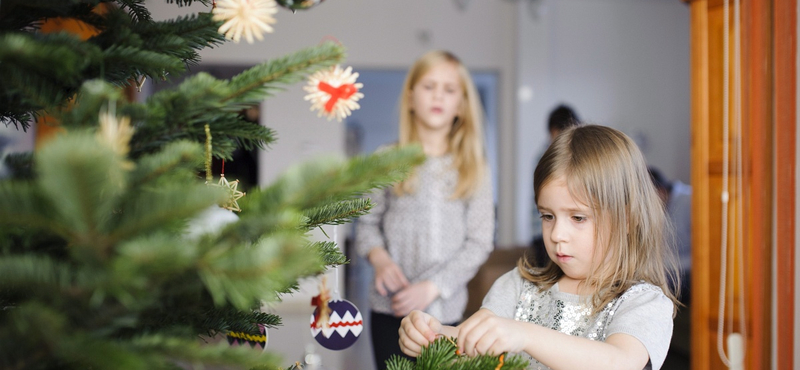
427, 237
603, 301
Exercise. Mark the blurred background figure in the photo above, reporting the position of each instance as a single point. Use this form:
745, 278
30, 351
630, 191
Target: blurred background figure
426, 237
677, 197
561, 118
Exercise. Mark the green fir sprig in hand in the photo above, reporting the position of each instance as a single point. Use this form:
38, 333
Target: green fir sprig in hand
442, 354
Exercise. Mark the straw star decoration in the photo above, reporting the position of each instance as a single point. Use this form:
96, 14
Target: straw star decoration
232, 203
250, 18
116, 133
334, 92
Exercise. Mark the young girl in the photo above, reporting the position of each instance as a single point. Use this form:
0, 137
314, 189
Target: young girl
603, 301
427, 237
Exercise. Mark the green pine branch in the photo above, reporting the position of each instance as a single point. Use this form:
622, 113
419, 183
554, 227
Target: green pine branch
441, 355
328, 180
252, 84
44, 71
183, 112
136, 9
128, 272
329, 253
337, 213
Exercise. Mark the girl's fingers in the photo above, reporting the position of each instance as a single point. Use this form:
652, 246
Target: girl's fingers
463, 330
401, 279
413, 339
417, 330
391, 280
486, 346
408, 345
397, 280
379, 286
392, 284
427, 325
470, 335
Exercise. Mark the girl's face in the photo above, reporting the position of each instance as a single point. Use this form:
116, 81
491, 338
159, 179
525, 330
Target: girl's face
436, 97
568, 227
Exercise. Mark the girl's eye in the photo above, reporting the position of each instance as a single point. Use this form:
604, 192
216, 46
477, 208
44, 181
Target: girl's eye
546, 217
579, 218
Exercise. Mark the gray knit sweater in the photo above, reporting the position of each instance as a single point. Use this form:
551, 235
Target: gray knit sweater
430, 236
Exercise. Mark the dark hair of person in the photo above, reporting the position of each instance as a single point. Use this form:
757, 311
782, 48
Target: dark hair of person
562, 118
659, 180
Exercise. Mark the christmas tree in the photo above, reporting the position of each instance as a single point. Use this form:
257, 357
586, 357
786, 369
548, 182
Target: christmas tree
108, 260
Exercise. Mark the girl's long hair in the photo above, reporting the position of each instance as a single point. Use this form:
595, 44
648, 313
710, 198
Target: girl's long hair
466, 135
604, 169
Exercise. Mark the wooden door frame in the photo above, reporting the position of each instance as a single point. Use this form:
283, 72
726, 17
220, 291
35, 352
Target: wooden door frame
769, 47
785, 31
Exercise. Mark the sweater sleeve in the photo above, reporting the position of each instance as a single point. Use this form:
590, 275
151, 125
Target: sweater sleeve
647, 316
504, 293
369, 229
478, 243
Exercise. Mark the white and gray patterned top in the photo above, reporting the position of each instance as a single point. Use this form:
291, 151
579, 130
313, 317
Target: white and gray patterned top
643, 312
431, 236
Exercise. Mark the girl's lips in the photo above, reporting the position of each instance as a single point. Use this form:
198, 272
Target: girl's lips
563, 257
436, 110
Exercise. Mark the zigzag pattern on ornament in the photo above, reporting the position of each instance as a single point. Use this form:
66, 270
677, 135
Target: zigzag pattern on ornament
341, 325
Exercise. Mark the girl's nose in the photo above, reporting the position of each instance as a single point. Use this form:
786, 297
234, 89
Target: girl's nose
438, 93
558, 233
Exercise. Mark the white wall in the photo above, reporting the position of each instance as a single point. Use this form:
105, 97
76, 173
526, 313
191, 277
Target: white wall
621, 63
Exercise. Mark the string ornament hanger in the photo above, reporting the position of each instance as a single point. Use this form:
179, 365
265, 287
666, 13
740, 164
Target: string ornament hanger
334, 92
336, 323
295, 5
231, 203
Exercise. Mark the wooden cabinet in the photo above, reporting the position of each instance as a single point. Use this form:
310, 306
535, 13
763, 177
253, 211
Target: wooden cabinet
758, 223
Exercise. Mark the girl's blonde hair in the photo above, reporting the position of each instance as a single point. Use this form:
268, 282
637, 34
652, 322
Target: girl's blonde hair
466, 135
605, 170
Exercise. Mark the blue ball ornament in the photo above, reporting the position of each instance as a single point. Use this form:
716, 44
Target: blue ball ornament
344, 326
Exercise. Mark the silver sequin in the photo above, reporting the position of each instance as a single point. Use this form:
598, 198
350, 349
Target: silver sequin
567, 313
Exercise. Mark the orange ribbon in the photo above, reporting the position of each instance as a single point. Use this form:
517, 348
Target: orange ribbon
342, 92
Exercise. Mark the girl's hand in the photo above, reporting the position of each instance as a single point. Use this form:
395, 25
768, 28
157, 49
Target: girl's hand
417, 330
485, 333
416, 296
389, 277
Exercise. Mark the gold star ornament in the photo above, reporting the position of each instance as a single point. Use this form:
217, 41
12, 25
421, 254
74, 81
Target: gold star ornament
234, 194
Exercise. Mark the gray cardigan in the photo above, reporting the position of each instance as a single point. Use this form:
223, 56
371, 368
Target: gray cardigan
430, 236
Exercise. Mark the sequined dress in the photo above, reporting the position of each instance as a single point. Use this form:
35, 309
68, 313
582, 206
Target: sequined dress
643, 311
